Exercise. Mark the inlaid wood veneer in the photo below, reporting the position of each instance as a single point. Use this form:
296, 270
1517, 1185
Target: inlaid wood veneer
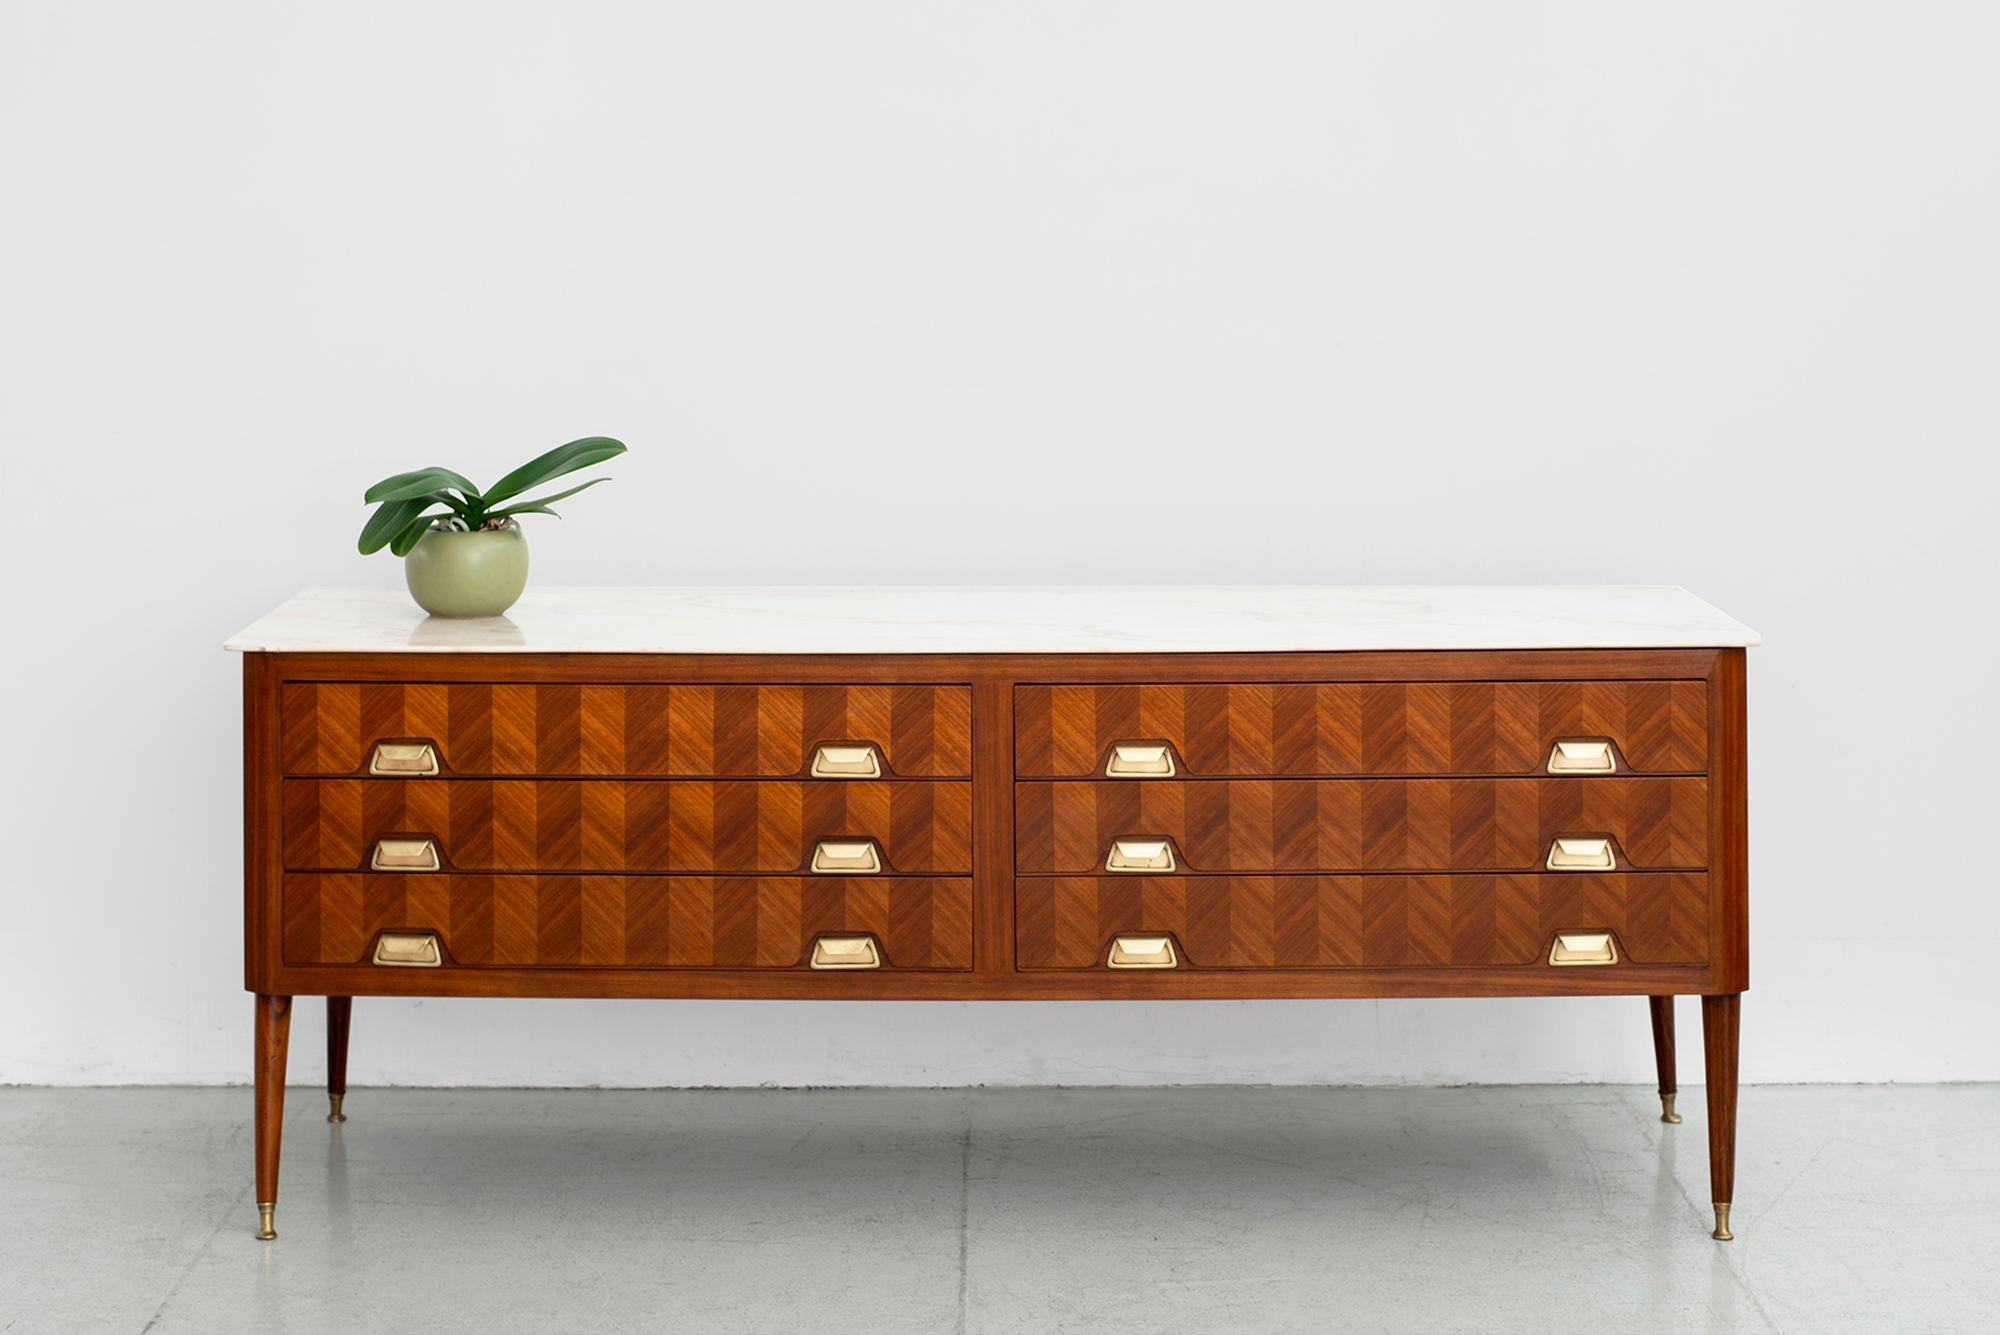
697, 731
642, 922
1321, 922
636, 825
1406, 728
1259, 825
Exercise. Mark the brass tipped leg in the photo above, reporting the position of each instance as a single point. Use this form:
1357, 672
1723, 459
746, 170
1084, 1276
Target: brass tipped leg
267, 1212
334, 1114
1667, 1113
1722, 1233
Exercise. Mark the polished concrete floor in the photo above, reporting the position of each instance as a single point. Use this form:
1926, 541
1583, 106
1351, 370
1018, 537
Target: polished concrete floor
1102, 1211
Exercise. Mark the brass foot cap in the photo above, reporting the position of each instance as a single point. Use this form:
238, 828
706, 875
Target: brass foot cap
267, 1212
1667, 1113
1722, 1233
334, 1114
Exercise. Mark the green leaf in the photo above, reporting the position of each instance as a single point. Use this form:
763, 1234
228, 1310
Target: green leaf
406, 540
535, 506
389, 519
459, 506
557, 462
409, 486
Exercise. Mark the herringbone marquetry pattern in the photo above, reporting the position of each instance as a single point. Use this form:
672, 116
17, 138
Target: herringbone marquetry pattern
690, 922
1266, 825
640, 825
690, 731
1302, 728
1310, 922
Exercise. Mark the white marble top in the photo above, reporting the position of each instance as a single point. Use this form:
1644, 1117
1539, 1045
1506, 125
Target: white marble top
979, 620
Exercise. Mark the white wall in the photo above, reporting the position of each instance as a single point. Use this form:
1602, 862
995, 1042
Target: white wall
1564, 292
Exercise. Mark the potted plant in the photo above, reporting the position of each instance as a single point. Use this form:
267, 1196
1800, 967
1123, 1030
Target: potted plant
470, 559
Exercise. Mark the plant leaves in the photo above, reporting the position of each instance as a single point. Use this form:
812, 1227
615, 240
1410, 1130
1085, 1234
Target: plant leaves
458, 505
407, 539
389, 519
534, 506
557, 462
409, 486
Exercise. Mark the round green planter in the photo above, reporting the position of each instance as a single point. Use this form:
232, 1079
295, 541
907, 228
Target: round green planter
478, 574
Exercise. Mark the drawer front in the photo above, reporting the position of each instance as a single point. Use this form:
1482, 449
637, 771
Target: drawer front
668, 731
639, 825
1274, 729
641, 922
1332, 922
1269, 825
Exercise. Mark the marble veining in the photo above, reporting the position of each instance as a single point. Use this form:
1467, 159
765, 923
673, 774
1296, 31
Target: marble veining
981, 619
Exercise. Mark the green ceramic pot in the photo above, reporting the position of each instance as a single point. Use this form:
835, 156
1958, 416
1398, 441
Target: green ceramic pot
478, 574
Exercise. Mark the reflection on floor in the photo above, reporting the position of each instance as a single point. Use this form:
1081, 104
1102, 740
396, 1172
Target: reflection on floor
1101, 1211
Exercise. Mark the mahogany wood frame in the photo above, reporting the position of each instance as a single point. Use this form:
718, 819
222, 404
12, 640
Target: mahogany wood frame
994, 975
991, 679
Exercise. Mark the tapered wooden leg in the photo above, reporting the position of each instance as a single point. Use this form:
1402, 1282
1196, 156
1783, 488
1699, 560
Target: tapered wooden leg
274, 1033
1719, 1016
340, 1010
1663, 1055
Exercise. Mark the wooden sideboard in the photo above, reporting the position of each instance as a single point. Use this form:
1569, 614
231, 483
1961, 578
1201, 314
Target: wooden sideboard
981, 794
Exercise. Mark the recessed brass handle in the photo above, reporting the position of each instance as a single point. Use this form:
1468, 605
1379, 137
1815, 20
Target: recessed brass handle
832, 761
846, 857
404, 855
1582, 948
1140, 855
1582, 755
1143, 952
846, 952
1140, 760
408, 950
404, 760
1582, 855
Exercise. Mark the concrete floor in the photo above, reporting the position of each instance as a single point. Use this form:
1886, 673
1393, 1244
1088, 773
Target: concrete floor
1106, 1211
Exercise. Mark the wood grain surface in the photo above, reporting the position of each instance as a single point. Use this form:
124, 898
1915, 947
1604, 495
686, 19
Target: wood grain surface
694, 731
1397, 728
1386, 717
1261, 825
1308, 922
688, 922
634, 825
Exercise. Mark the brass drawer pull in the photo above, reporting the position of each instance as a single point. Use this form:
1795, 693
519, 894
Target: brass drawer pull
404, 855
1140, 855
1583, 948
1140, 760
846, 952
408, 950
1582, 855
1143, 952
846, 857
833, 761
1582, 755
404, 760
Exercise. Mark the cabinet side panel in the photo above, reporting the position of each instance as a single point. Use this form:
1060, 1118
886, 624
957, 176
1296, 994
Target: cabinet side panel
262, 770
1729, 831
